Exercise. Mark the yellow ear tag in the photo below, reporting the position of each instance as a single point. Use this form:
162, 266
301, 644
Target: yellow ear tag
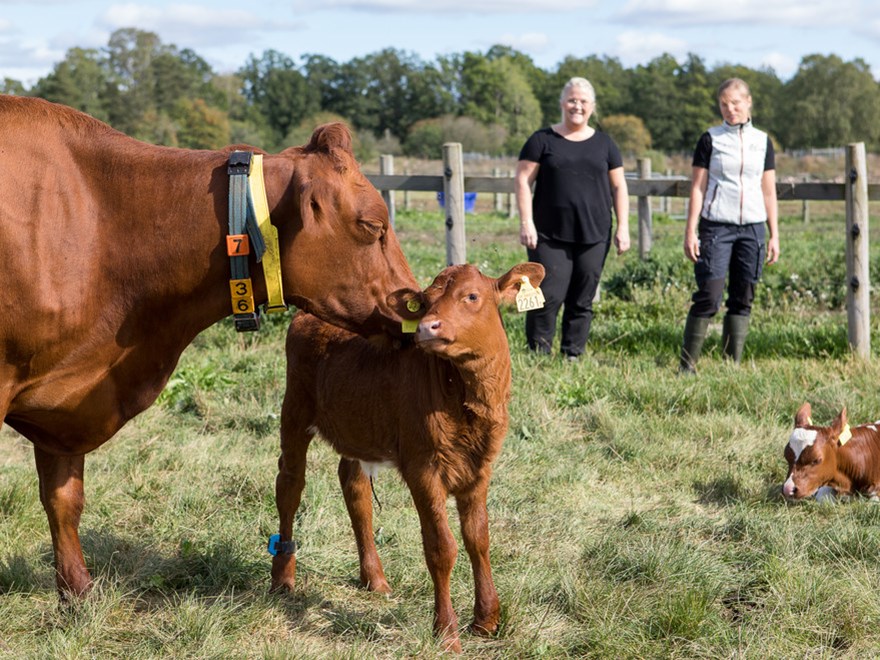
809, 421
845, 435
529, 297
408, 326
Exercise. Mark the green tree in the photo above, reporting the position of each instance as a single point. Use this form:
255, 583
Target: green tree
130, 53
498, 92
696, 102
279, 91
12, 86
200, 126
80, 80
831, 103
629, 133
655, 98
427, 136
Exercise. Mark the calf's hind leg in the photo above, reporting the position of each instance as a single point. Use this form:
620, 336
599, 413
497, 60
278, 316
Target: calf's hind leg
61, 493
289, 486
356, 489
475, 534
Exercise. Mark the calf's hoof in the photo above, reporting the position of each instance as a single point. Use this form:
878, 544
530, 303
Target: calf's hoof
283, 573
74, 585
484, 628
378, 585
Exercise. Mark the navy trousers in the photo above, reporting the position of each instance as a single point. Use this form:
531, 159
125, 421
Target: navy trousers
735, 252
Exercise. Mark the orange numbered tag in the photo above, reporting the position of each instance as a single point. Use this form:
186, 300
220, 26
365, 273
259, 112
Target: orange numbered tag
242, 296
529, 297
238, 245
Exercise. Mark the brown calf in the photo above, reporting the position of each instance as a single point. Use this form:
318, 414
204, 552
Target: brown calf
436, 411
114, 259
837, 456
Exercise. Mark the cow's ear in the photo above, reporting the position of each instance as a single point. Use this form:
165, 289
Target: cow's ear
508, 284
329, 137
802, 418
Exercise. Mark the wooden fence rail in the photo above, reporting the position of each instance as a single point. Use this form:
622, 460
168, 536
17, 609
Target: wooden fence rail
854, 191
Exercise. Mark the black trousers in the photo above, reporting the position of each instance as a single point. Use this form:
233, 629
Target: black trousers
571, 281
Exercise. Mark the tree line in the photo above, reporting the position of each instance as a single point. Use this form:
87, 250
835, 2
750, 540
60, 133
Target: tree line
398, 103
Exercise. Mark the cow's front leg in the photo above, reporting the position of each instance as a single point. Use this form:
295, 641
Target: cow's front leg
61, 493
289, 484
475, 534
429, 496
357, 491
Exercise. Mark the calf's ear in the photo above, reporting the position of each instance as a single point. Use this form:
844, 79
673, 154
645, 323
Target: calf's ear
802, 418
839, 423
408, 304
508, 284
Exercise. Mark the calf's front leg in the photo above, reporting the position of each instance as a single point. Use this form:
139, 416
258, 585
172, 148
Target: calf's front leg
475, 534
61, 493
356, 490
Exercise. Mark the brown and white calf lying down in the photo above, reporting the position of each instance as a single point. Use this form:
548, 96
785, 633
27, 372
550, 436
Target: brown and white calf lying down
437, 411
836, 458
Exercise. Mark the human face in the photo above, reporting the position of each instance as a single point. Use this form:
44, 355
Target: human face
736, 105
576, 107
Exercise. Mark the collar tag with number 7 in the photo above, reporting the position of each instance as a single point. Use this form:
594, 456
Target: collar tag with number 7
529, 297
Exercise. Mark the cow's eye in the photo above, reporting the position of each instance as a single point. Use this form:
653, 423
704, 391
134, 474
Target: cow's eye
472, 297
372, 228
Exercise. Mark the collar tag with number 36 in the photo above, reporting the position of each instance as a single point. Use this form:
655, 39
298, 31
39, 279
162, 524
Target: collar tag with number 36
529, 297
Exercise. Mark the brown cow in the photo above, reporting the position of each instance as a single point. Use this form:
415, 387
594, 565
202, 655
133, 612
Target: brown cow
843, 459
114, 259
437, 411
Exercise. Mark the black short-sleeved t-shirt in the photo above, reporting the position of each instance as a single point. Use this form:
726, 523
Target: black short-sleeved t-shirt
572, 201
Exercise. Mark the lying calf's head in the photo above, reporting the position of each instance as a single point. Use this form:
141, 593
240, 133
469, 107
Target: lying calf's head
460, 309
811, 453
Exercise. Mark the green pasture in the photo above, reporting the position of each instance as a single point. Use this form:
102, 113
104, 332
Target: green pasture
634, 513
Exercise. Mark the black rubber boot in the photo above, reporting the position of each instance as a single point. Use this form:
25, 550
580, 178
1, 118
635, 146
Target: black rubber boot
733, 336
695, 329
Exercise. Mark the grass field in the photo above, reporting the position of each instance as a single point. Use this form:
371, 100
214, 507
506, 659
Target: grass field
634, 513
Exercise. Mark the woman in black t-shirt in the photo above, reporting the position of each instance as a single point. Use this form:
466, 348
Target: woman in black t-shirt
567, 225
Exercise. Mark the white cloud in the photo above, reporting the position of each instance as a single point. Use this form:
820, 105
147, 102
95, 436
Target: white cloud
785, 66
789, 13
530, 42
447, 6
192, 25
634, 47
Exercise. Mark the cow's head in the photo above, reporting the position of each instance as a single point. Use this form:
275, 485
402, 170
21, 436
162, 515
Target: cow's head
460, 307
811, 453
340, 257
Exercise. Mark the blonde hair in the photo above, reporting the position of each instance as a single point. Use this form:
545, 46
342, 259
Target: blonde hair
582, 84
734, 82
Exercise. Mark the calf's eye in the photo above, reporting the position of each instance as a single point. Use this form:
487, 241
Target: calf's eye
472, 297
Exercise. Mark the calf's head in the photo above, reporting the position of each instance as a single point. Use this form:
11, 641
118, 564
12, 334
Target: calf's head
461, 318
811, 453
340, 256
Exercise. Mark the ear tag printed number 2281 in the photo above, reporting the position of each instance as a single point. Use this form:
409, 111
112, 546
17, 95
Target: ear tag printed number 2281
529, 297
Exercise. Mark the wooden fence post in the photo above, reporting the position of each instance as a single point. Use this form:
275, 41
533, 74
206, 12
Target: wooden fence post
858, 308
453, 200
407, 200
499, 198
644, 212
386, 166
512, 210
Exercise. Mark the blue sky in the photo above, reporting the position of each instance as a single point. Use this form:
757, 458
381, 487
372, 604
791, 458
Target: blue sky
35, 34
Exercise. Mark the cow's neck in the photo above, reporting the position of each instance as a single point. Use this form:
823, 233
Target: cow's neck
487, 383
858, 463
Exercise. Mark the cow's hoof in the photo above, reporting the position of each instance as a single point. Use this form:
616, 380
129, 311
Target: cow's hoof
484, 628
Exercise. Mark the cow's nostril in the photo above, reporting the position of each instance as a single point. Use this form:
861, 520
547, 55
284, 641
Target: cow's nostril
435, 325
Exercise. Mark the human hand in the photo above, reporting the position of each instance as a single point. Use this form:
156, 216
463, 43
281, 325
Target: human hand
692, 246
528, 235
773, 250
621, 241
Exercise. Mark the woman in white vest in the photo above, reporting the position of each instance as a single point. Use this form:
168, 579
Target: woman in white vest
733, 197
